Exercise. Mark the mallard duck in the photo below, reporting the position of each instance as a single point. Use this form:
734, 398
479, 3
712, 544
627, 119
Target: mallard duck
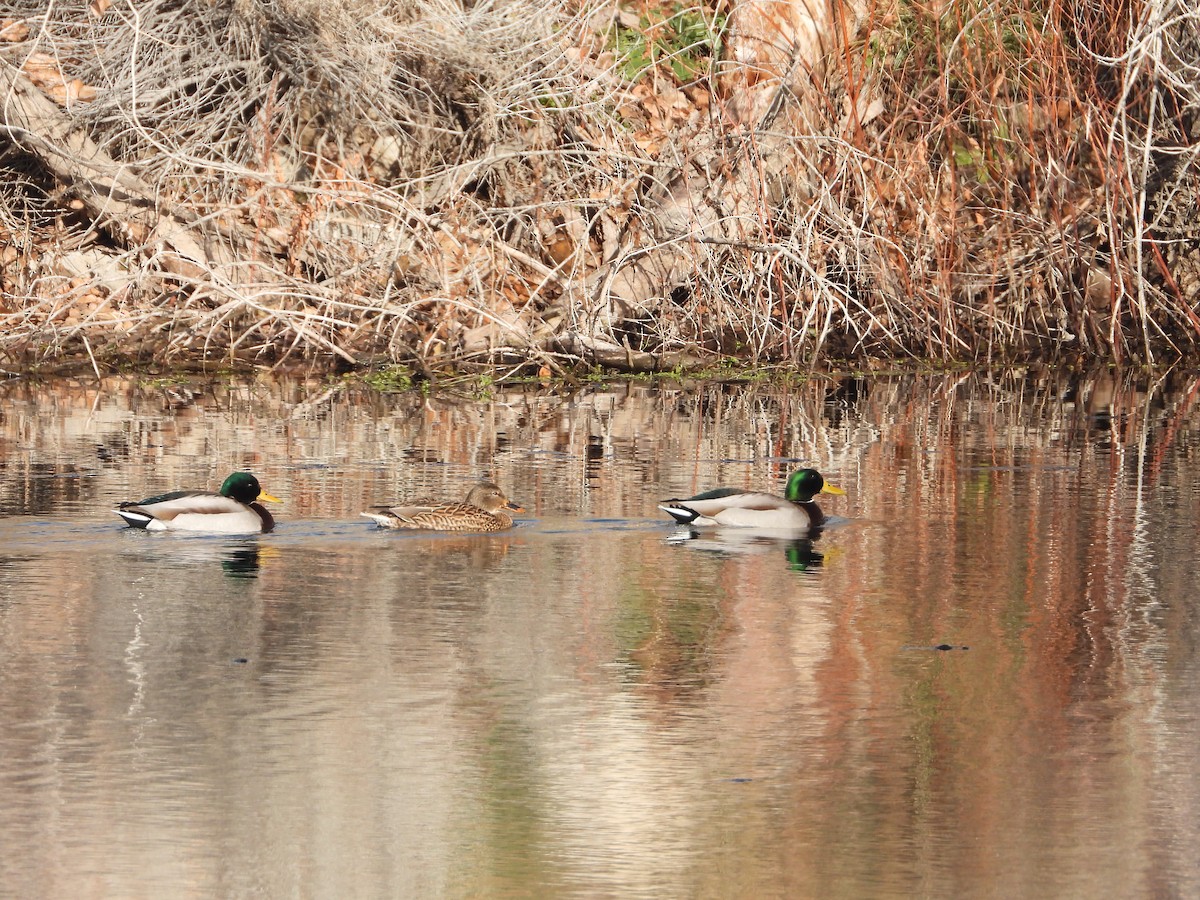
751, 509
234, 509
483, 510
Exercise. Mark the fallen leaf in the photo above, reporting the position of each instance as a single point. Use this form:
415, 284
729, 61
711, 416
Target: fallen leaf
66, 92
80, 91
11, 30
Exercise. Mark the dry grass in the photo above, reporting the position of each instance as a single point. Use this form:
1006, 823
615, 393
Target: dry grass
455, 186
993, 200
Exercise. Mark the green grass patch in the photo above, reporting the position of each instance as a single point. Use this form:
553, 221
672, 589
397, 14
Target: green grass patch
683, 40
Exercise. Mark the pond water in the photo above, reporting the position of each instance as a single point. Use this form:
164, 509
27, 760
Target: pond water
981, 680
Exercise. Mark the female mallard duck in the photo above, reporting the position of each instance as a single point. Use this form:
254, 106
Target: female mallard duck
483, 510
234, 509
750, 509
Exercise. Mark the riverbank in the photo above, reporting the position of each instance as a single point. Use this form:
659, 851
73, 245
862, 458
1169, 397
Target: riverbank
554, 187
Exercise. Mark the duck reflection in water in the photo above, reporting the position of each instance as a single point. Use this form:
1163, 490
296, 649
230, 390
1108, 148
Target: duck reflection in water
797, 548
242, 562
238, 559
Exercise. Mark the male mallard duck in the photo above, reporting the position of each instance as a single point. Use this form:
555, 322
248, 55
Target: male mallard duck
483, 510
750, 509
234, 509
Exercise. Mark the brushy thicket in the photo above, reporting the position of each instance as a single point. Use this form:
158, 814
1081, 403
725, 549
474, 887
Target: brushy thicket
447, 185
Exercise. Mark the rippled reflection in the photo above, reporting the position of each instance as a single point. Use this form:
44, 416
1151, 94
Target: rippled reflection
798, 549
979, 680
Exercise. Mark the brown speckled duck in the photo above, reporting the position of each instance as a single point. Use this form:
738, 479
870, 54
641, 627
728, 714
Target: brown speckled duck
485, 509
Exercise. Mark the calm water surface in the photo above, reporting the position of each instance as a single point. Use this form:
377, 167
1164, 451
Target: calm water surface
597, 704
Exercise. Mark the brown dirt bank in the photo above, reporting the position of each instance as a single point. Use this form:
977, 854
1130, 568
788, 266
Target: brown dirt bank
558, 185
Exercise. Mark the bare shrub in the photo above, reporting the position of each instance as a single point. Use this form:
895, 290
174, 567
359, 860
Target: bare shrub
981, 181
536, 181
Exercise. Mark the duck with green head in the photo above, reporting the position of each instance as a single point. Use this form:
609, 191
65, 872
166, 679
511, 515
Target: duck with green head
234, 509
485, 509
795, 510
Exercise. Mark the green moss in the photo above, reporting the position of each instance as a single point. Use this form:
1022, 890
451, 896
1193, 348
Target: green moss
390, 379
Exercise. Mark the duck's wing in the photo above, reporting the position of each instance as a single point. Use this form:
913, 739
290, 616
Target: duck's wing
166, 507
712, 503
745, 509
465, 517
445, 514
714, 494
417, 508
686, 510
427, 514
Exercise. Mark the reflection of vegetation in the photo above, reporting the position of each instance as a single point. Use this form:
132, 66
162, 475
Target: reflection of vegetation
923, 708
514, 809
483, 386
507, 758
859, 751
39, 488
667, 642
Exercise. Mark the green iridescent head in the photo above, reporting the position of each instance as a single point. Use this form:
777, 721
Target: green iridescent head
244, 488
804, 484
